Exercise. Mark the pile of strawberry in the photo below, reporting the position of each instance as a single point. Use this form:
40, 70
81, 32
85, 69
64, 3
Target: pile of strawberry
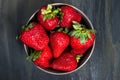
57, 39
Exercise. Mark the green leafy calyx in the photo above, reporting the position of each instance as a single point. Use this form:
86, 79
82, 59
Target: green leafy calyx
27, 27
50, 12
64, 30
81, 32
33, 55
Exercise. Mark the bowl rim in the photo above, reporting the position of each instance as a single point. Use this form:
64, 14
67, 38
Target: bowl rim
91, 52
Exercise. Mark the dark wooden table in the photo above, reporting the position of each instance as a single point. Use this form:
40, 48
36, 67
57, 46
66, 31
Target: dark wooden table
104, 63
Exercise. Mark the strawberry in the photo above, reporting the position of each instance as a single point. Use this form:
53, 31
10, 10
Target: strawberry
69, 15
34, 36
47, 16
58, 41
41, 58
81, 38
66, 62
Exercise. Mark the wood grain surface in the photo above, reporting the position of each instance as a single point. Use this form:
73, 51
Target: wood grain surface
104, 64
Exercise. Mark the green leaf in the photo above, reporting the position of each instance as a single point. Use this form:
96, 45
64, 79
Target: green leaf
89, 36
48, 16
81, 32
60, 29
27, 27
33, 55
78, 57
70, 33
36, 55
30, 57
50, 12
74, 22
76, 27
55, 11
77, 35
60, 15
92, 31
30, 25
66, 30
82, 38
46, 11
73, 33
49, 7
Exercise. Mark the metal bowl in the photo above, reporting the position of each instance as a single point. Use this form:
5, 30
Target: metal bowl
87, 55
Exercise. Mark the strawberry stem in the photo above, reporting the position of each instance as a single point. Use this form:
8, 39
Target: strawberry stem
66, 30
48, 10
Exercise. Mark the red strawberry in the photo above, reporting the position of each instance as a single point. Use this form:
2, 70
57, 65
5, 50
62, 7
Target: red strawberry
81, 39
66, 62
47, 16
69, 15
59, 41
34, 36
41, 58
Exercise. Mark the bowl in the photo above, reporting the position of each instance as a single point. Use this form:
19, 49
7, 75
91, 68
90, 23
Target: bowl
86, 21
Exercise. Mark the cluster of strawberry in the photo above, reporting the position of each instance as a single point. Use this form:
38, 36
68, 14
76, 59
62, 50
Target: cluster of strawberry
57, 40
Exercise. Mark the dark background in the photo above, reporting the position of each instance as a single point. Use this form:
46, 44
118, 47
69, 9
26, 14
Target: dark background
104, 64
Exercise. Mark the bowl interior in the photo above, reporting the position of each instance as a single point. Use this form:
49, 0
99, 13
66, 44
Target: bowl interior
87, 55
